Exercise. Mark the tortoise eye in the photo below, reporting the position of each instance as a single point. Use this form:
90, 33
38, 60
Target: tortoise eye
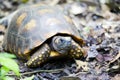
61, 40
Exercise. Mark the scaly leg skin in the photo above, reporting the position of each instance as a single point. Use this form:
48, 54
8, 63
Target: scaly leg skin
39, 56
76, 50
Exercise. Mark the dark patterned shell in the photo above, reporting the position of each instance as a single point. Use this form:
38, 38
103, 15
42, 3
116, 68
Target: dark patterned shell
31, 26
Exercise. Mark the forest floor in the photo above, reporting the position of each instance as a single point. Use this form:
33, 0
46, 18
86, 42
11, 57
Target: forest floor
99, 26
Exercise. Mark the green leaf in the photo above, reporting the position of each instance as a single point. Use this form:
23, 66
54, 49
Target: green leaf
7, 55
8, 78
3, 72
10, 64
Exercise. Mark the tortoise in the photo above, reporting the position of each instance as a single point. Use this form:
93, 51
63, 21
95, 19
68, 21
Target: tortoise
38, 33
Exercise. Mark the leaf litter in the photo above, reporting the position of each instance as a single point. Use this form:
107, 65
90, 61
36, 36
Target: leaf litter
98, 24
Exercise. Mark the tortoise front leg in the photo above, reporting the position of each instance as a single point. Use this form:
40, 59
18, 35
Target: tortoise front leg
39, 56
76, 50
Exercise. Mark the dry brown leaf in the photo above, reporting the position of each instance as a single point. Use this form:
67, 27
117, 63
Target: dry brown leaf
82, 64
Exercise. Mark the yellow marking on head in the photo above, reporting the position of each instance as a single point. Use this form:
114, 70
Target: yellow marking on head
30, 24
68, 19
43, 11
53, 54
52, 21
21, 18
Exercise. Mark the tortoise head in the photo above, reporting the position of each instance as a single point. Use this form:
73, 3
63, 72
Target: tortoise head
62, 44
66, 45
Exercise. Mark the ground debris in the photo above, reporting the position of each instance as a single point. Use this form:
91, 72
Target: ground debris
83, 65
99, 26
69, 78
115, 58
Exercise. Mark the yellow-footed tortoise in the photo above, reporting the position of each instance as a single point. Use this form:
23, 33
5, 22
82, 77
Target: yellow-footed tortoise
38, 33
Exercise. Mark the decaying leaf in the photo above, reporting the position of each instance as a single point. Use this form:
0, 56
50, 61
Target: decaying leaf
82, 64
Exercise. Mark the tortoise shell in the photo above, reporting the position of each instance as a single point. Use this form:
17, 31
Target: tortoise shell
31, 26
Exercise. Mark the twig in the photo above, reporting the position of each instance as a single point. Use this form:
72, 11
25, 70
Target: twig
79, 73
116, 57
37, 71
